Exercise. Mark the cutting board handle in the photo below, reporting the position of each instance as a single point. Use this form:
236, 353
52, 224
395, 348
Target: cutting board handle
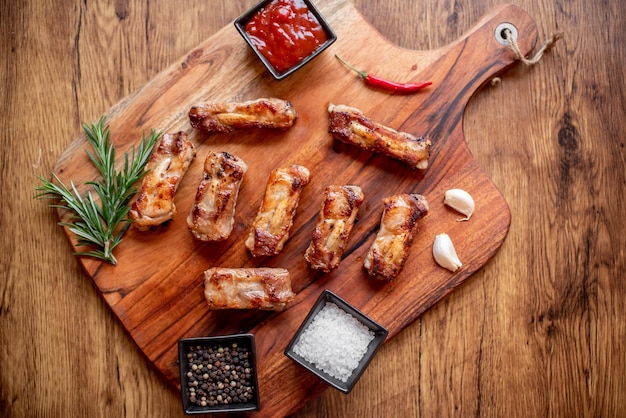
463, 66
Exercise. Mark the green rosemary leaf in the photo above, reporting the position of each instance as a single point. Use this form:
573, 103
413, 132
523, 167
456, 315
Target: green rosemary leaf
85, 237
101, 226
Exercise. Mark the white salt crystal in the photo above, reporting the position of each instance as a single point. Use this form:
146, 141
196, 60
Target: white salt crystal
334, 342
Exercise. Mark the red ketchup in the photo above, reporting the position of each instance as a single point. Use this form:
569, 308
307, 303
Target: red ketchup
285, 32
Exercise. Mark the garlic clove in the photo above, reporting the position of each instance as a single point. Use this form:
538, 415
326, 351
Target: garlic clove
461, 201
445, 254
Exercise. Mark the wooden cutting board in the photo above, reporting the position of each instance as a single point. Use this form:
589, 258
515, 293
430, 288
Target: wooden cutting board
156, 290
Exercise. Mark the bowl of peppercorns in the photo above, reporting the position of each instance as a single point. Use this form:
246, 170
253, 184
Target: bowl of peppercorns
218, 374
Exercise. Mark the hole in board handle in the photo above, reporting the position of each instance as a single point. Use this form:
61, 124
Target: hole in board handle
501, 36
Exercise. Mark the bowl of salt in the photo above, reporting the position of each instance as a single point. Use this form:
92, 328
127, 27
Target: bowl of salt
336, 342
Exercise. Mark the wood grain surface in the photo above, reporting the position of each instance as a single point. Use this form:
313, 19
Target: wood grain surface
537, 331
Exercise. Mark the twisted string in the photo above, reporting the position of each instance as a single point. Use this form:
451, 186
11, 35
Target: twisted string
512, 43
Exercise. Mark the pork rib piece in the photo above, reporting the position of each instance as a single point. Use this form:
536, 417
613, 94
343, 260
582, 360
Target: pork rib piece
274, 219
227, 116
212, 215
388, 253
248, 288
165, 170
334, 224
349, 125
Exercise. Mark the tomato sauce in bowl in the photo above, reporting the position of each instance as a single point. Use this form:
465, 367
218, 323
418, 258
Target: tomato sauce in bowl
286, 33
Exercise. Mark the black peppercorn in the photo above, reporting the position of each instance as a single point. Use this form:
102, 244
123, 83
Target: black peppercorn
218, 375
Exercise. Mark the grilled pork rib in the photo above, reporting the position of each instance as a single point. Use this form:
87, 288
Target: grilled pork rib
248, 288
349, 125
334, 224
227, 117
388, 253
212, 215
165, 169
274, 219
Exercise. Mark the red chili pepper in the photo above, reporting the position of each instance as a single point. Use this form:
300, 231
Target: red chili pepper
376, 81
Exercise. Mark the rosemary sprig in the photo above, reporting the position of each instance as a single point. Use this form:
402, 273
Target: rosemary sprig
101, 227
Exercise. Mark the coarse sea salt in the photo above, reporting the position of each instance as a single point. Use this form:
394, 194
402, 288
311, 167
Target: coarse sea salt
334, 342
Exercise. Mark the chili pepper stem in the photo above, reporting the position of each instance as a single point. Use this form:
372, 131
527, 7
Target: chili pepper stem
361, 73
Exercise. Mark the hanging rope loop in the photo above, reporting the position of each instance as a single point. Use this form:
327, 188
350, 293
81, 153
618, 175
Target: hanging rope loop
512, 43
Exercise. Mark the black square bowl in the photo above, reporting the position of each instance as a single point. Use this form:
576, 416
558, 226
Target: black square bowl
380, 333
188, 346
240, 24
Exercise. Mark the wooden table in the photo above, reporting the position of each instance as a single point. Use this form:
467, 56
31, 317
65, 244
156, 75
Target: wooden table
537, 332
